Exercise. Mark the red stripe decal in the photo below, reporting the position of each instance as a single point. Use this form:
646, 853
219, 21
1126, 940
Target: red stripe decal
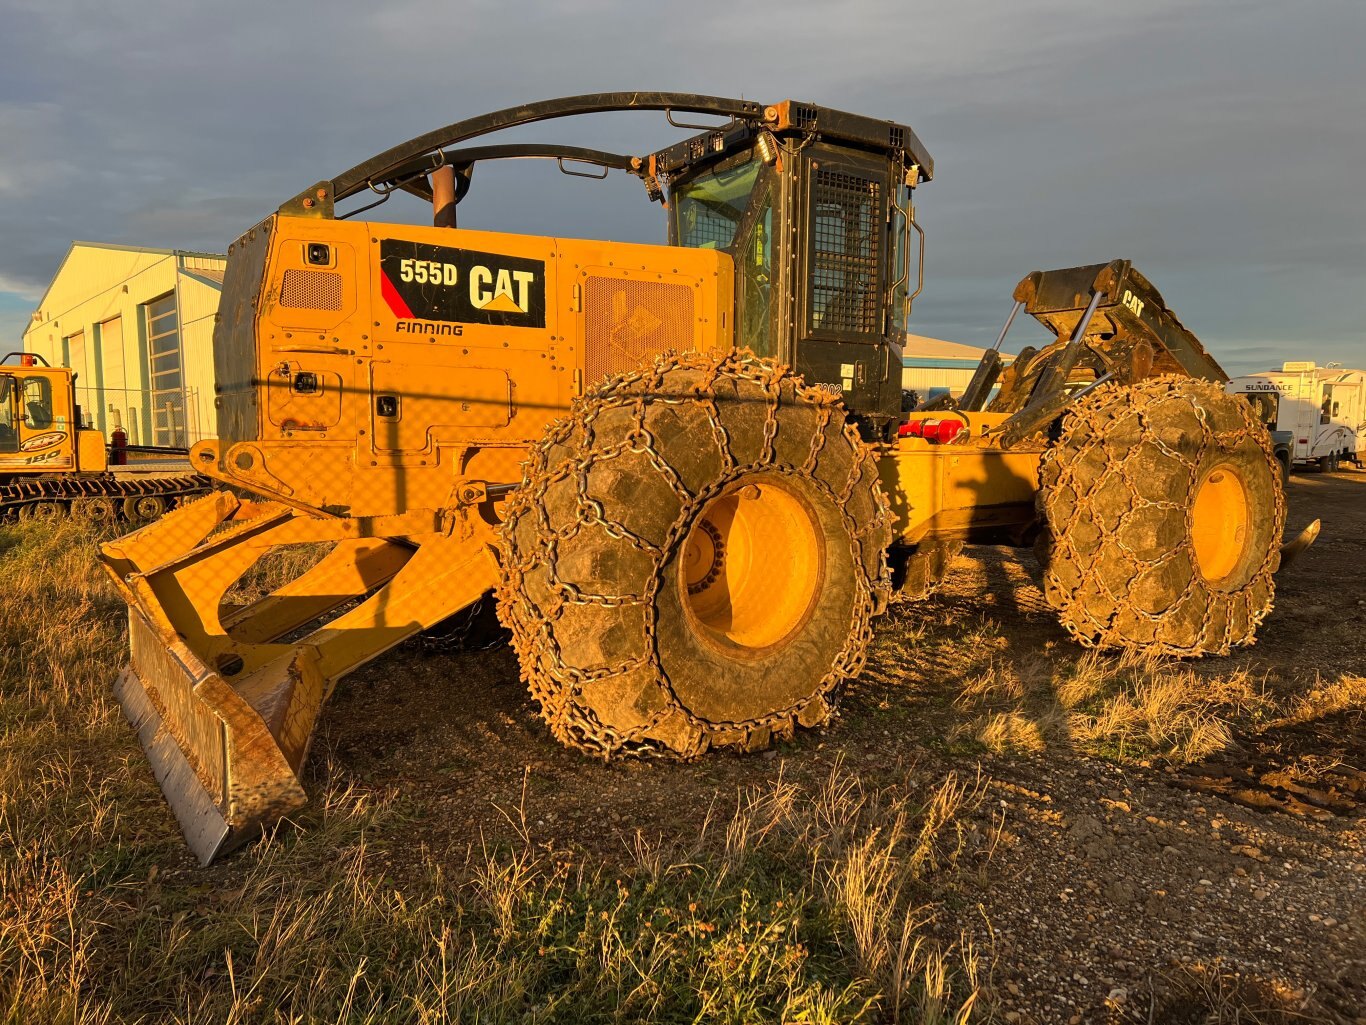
391, 296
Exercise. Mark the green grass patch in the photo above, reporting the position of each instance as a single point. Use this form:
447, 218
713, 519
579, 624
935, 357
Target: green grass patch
800, 905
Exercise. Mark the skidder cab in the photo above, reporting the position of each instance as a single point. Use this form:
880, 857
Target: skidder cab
680, 467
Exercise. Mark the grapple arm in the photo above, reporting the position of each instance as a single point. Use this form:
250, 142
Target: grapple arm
1131, 312
1110, 324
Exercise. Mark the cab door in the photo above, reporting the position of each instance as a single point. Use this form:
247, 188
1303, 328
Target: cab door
9, 423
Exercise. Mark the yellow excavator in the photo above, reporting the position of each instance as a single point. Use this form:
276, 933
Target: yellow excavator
684, 469
52, 466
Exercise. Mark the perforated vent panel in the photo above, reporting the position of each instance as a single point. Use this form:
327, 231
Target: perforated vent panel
311, 290
845, 220
628, 322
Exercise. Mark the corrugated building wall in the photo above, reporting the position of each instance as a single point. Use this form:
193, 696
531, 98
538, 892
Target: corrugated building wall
932, 366
136, 325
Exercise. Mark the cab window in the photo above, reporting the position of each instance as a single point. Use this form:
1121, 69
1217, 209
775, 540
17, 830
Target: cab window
730, 206
9, 428
708, 208
37, 403
754, 268
901, 268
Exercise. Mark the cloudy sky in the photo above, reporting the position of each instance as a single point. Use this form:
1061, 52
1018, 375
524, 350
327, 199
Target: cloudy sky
1219, 144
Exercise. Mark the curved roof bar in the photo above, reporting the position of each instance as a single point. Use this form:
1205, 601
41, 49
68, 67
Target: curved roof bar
381, 168
471, 155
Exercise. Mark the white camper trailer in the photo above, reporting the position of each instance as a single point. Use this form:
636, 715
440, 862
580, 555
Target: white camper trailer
1319, 413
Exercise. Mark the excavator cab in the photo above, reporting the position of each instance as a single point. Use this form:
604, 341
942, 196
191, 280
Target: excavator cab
37, 417
9, 419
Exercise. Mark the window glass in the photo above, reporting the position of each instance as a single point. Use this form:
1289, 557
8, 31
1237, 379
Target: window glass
37, 403
901, 269
755, 269
166, 361
9, 426
708, 209
168, 385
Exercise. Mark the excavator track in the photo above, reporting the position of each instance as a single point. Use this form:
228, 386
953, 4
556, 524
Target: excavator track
55, 495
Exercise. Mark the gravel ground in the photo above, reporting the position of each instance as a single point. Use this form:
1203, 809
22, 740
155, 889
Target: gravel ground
1097, 889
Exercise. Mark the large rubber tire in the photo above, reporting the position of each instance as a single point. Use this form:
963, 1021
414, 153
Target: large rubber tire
1163, 509
97, 511
43, 511
145, 508
694, 559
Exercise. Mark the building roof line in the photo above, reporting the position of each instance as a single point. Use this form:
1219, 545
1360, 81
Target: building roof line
203, 279
941, 363
118, 247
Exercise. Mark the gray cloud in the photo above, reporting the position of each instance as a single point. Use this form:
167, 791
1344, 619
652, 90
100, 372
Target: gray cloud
1218, 145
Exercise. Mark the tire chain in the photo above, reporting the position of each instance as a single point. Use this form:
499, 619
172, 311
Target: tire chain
553, 682
1083, 433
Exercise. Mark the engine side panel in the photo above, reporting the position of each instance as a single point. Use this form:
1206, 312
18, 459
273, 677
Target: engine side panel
393, 361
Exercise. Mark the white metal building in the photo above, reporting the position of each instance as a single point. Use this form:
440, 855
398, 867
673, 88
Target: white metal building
931, 366
136, 325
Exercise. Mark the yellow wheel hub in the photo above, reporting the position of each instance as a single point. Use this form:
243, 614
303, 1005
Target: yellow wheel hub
1220, 522
752, 566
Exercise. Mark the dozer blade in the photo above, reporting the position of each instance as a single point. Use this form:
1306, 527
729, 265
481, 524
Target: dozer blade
223, 708
205, 829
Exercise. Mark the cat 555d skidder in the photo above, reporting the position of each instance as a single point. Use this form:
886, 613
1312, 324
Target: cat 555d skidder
684, 469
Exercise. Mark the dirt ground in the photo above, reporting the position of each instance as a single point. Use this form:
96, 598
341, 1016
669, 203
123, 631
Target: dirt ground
1116, 890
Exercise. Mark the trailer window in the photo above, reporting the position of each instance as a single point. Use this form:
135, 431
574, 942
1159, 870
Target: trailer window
1329, 407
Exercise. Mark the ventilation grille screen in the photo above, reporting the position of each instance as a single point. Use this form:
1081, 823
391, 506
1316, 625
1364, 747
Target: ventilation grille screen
311, 290
628, 322
845, 220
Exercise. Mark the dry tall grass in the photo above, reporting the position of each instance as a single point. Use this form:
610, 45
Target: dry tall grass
1130, 706
804, 904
